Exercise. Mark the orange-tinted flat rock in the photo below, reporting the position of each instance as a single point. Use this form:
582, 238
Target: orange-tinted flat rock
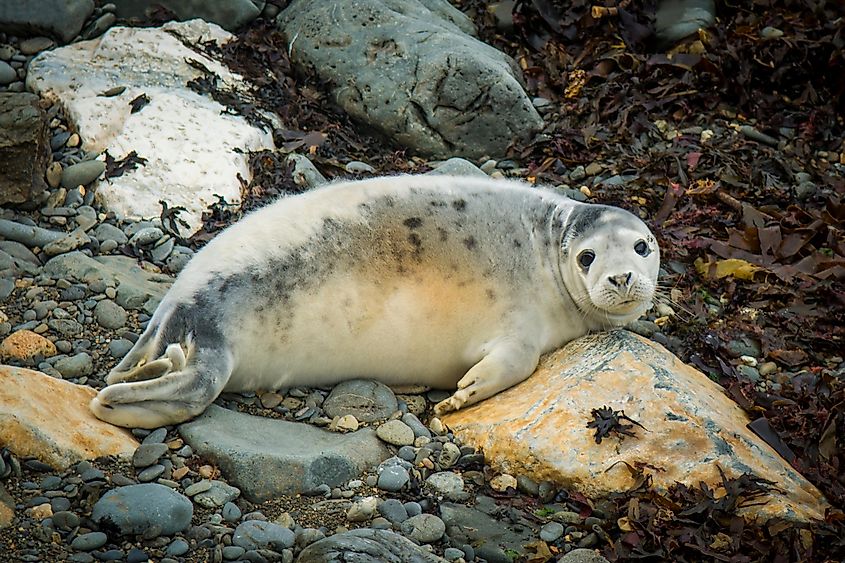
539, 427
24, 345
49, 419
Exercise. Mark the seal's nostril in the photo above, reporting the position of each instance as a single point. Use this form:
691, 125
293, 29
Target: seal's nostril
620, 280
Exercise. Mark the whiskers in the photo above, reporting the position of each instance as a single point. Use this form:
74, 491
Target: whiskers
663, 296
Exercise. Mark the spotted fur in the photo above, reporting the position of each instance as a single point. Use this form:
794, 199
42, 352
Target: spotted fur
413, 280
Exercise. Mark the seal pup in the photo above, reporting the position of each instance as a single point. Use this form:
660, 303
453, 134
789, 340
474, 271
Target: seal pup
437, 281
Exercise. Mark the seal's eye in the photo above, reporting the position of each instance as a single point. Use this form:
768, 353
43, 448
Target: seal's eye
642, 248
586, 258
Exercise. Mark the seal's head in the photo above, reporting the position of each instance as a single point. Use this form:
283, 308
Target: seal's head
609, 263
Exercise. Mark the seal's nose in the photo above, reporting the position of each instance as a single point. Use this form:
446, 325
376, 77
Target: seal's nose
621, 280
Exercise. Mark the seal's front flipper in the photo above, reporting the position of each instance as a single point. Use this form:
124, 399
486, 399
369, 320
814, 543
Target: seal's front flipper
171, 398
507, 364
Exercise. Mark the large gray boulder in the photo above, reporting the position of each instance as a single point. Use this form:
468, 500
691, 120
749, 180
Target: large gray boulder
24, 148
228, 14
366, 546
411, 70
266, 458
62, 19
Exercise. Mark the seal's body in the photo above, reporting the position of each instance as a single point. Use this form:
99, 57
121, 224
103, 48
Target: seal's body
411, 280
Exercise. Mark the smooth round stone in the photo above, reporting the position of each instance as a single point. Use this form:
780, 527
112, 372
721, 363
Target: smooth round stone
157, 436
135, 509
356, 167
551, 531
393, 510
413, 508
7, 74
110, 315
136, 555
77, 365
58, 140
148, 454
366, 400
82, 173
54, 175
50, 483
146, 236
65, 520
257, 534
449, 455
233, 552
231, 512
35, 45
452, 554
218, 494
414, 423
424, 528
151, 473
86, 217
89, 541
107, 231
119, 348
59, 504
446, 484
111, 555
393, 478
407, 453
177, 548
396, 433
362, 510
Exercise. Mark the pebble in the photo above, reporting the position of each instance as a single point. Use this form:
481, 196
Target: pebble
357, 167
362, 510
446, 484
153, 506
107, 231
75, 366
551, 532
217, 495
65, 520
231, 512
82, 173
257, 534
146, 236
578, 173
148, 454
151, 473
503, 482
396, 433
177, 548
767, 368
452, 554
393, 510
7, 74
593, 168
110, 315
393, 478
414, 423
424, 528
449, 455
89, 541
35, 45
119, 347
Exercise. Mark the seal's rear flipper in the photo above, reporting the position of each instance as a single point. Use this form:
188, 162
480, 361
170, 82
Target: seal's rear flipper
171, 398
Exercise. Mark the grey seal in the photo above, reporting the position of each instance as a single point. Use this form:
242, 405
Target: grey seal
433, 281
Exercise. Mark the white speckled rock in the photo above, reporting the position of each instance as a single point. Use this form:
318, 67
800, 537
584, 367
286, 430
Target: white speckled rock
187, 139
539, 427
